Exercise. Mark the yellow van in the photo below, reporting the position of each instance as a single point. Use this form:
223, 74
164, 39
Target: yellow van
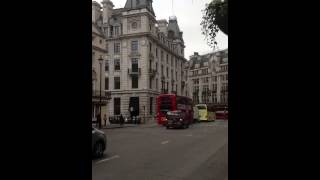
206, 113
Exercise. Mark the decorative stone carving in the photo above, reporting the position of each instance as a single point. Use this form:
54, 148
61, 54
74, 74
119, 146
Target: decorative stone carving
136, 21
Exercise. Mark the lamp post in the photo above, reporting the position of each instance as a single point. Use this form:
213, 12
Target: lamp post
100, 62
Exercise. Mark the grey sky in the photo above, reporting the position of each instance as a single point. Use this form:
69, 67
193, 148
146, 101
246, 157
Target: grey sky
189, 16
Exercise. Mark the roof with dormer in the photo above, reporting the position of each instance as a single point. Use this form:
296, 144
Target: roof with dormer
201, 59
174, 27
139, 4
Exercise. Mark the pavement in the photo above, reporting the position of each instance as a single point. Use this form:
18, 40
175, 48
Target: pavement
146, 125
152, 152
114, 126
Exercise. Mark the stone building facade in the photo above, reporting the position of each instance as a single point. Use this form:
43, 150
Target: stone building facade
208, 78
98, 78
144, 57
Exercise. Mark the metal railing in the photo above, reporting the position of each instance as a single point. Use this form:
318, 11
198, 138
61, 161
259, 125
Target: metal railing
105, 95
134, 53
152, 72
134, 71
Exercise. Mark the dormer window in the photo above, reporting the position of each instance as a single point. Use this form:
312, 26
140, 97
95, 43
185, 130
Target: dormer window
138, 2
170, 34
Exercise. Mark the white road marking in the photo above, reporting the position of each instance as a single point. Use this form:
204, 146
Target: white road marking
164, 142
107, 159
189, 135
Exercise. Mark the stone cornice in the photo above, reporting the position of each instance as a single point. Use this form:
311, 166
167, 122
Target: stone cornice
99, 49
147, 34
147, 13
133, 91
98, 34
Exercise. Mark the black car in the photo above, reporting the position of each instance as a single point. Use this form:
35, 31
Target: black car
177, 119
99, 142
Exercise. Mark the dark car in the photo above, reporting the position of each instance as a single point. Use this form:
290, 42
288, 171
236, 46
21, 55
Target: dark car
177, 119
99, 142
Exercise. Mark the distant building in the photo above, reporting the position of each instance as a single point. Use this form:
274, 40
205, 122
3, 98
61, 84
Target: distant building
208, 78
144, 56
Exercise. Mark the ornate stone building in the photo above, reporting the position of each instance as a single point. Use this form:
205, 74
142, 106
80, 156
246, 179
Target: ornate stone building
98, 78
208, 78
144, 56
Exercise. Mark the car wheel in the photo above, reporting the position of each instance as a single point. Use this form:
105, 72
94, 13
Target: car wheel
167, 127
98, 149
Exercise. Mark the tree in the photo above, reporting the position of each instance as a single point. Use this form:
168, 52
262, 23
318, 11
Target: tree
215, 18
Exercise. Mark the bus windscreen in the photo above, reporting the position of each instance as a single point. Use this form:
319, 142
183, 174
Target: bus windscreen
165, 104
201, 107
165, 108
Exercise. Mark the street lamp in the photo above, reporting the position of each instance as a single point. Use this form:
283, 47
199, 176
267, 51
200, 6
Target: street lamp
100, 62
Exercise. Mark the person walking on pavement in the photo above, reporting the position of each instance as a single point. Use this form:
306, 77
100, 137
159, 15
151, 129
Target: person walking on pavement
131, 112
99, 120
121, 120
105, 120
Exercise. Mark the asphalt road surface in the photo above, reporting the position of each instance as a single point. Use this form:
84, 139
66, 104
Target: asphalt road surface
155, 153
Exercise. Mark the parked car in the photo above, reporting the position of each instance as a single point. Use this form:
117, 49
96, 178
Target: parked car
177, 119
99, 142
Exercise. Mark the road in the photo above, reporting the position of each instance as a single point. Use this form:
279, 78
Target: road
155, 153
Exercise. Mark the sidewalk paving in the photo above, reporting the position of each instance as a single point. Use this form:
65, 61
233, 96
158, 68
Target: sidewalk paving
114, 126
146, 125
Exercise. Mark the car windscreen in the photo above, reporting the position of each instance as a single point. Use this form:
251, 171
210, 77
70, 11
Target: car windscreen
171, 113
201, 107
164, 111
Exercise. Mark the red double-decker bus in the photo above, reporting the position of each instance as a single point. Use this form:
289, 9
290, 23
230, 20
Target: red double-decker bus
172, 102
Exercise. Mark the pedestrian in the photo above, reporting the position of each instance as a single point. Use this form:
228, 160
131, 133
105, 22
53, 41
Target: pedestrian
121, 120
99, 120
131, 112
105, 119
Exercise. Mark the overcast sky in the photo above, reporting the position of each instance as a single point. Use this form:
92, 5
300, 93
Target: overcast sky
189, 15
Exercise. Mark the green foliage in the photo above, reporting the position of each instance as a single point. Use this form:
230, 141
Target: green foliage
215, 18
